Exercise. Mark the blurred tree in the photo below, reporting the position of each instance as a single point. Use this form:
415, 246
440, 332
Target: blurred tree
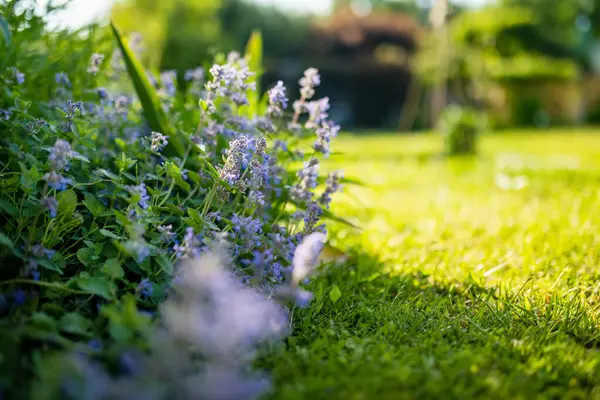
183, 34
178, 33
283, 34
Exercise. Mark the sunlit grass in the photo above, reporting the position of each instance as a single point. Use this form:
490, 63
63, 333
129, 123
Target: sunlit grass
460, 287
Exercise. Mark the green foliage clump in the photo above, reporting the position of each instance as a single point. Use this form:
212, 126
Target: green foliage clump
460, 127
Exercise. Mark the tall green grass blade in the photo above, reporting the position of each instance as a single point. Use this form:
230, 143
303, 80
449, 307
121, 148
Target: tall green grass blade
254, 53
5, 29
148, 97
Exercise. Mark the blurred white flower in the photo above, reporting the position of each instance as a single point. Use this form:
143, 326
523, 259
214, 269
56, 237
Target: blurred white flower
306, 256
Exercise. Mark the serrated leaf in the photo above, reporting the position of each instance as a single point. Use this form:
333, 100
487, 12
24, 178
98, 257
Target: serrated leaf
109, 234
335, 294
96, 286
67, 202
151, 105
86, 255
75, 324
113, 268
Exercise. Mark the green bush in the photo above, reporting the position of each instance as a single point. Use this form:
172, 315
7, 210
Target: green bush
460, 128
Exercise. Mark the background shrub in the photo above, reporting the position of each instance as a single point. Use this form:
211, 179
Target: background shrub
460, 128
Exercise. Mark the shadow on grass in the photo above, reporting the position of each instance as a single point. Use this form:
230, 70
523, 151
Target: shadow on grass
394, 336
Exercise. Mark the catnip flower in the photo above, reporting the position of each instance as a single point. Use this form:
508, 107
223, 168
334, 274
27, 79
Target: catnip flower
5, 114
159, 141
19, 76
308, 82
141, 191
51, 204
230, 81
303, 190
332, 185
145, 287
235, 155
95, 62
60, 155
166, 232
311, 217
56, 181
169, 80
61, 78
278, 100
317, 112
191, 247
194, 75
39, 251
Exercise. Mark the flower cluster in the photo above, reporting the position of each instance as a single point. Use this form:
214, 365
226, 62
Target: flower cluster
58, 160
158, 142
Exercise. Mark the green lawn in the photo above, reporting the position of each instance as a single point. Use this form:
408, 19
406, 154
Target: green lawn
457, 288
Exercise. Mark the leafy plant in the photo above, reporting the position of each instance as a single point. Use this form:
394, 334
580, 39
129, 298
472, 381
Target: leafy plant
460, 128
114, 177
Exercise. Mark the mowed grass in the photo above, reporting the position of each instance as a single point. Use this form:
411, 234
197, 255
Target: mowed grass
457, 287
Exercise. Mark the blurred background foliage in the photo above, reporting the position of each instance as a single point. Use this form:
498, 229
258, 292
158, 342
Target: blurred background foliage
526, 62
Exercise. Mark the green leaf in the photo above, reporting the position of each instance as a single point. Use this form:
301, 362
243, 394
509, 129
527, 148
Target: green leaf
67, 202
113, 268
10, 181
79, 157
331, 216
86, 255
6, 242
5, 29
96, 286
175, 173
174, 209
109, 234
108, 174
93, 204
254, 52
8, 208
75, 324
153, 111
49, 265
335, 294
165, 264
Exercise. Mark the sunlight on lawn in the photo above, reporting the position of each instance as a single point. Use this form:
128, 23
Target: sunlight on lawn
451, 218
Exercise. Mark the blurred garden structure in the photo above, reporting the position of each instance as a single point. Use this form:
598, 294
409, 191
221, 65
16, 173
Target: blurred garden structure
527, 63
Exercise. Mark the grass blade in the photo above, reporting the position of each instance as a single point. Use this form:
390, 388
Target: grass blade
5, 29
254, 52
147, 94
